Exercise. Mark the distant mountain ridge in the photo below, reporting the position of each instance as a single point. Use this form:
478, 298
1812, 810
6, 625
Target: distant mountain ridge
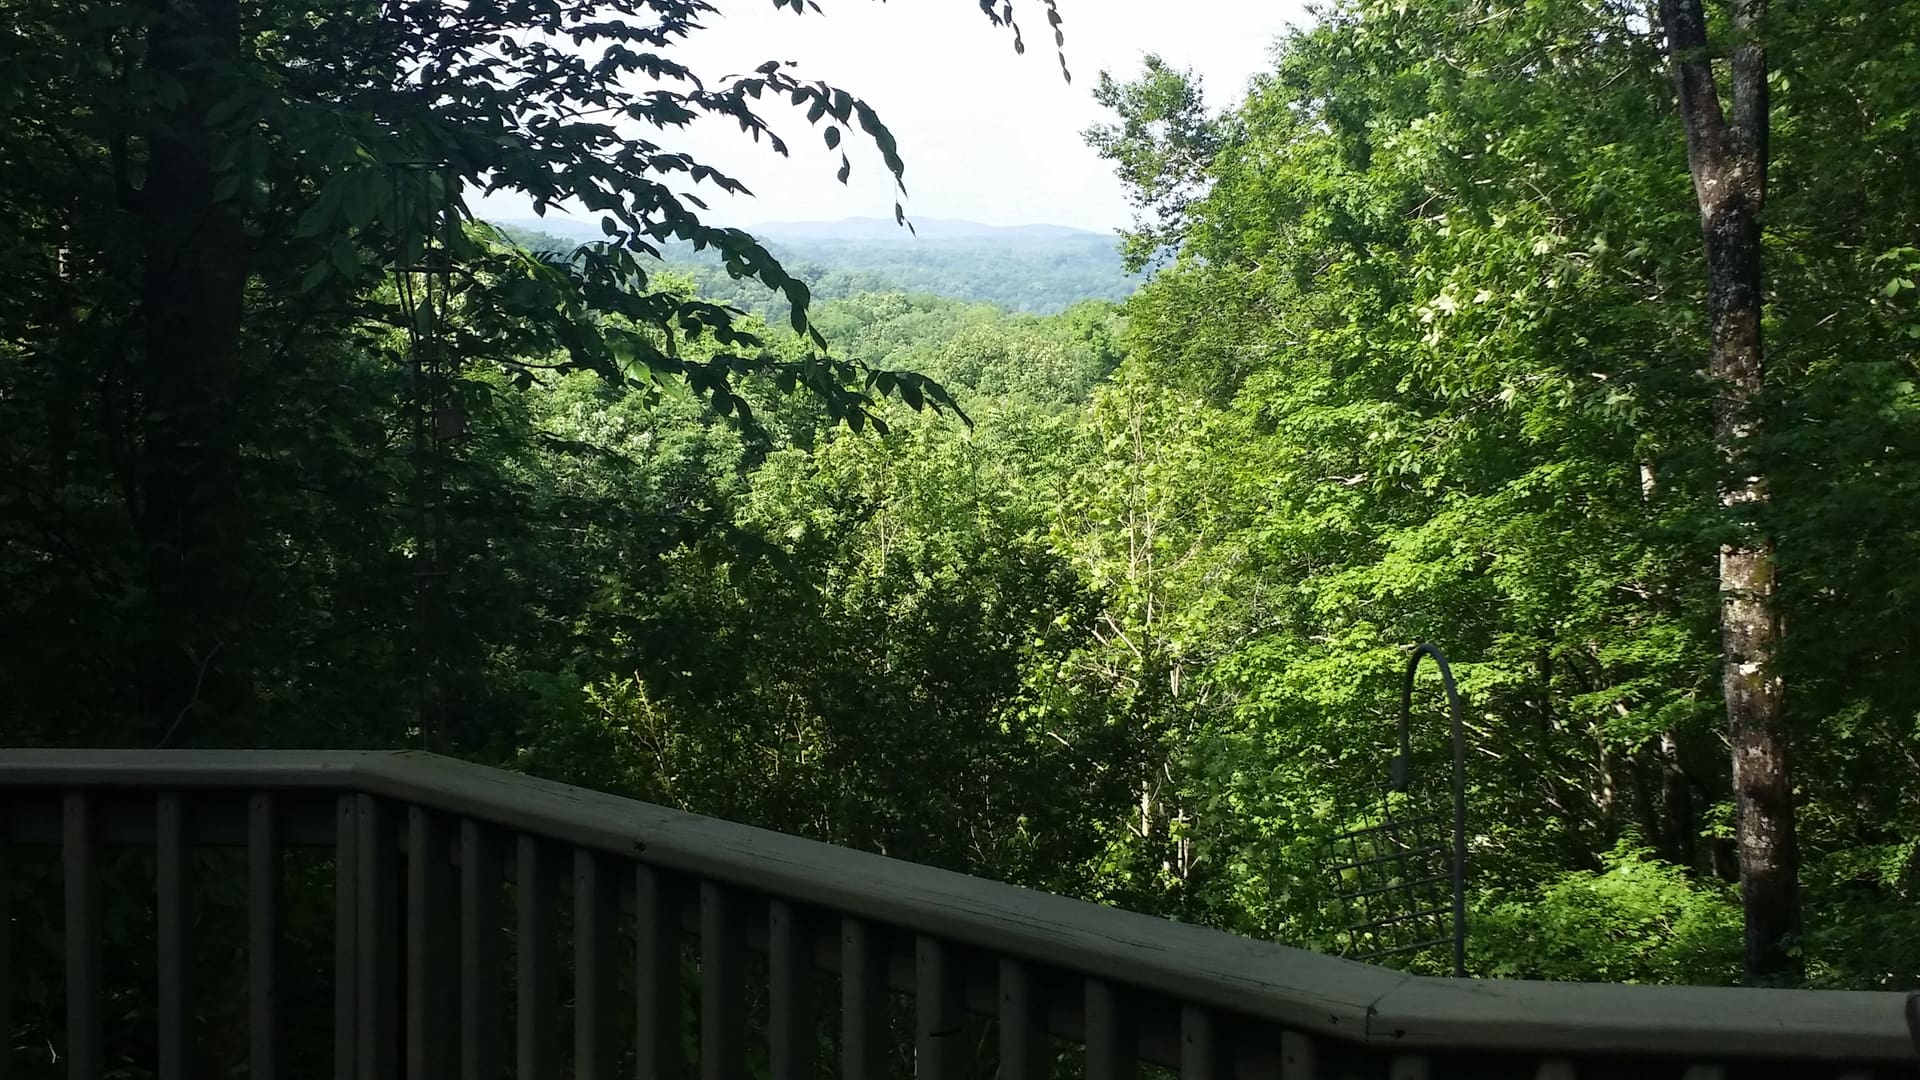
872, 229
853, 229
1033, 268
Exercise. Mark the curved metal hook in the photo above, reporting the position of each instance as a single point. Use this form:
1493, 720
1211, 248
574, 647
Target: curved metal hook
1402, 767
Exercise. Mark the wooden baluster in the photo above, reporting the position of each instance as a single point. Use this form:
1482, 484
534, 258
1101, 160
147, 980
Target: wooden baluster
863, 1002
346, 938
790, 1038
7, 971
171, 921
1410, 1067
595, 908
538, 1048
430, 929
376, 964
1202, 1054
1110, 1049
1024, 1046
1299, 1056
723, 1005
264, 876
86, 1028
657, 982
481, 957
940, 1012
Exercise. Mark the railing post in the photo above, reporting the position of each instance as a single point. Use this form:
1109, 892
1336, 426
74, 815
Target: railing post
594, 907
263, 937
723, 1010
481, 965
377, 961
1201, 1053
8, 972
1024, 1045
1410, 1067
940, 1012
536, 900
171, 922
429, 948
790, 1034
1110, 1045
657, 977
86, 1029
863, 1003
346, 938
1299, 1056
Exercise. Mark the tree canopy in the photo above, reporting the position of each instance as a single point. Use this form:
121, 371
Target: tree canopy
1105, 598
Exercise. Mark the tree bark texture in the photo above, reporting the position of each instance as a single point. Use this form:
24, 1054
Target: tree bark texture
1727, 156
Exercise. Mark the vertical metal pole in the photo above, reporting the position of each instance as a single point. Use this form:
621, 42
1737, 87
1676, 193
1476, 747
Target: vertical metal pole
1459, 874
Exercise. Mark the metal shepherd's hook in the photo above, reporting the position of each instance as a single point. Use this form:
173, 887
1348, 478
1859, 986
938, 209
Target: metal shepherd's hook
1401, 768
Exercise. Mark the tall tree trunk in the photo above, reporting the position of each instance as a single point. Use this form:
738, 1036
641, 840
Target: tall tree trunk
192, 293
1676, 803
1727, 155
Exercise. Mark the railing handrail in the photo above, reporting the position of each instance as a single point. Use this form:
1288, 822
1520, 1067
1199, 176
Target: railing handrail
1327, 995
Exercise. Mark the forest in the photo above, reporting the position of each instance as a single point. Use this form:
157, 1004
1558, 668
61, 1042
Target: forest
1450, 331
1037, 272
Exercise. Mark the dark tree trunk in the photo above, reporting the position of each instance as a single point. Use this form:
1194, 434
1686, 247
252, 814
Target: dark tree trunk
1676, 804
192, 293
1727, 155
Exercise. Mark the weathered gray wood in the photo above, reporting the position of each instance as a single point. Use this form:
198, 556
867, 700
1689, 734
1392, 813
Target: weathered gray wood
940, 1012
263, 937
723, 1002
1313, 994
595, 908
1300, 1057
790, 1033
377, 932
1307, 990
656, 930
1110, 1044
86, 1028
537, 901
346, 939
863, 1002
1699, 1023
150, 770
430, 940
1410, 1067
481, 955
1202, 1055
171, 920
1025, 1049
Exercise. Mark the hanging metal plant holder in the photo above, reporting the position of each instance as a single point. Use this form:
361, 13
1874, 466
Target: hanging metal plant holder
1399, 877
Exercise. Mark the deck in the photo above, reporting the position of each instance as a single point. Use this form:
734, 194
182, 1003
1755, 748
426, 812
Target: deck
486, 924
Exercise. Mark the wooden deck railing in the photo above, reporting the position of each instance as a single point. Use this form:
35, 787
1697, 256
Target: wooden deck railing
456, 890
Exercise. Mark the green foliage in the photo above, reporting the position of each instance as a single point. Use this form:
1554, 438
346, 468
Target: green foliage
1635, 919
1422, 366
1161, 148
1438, 288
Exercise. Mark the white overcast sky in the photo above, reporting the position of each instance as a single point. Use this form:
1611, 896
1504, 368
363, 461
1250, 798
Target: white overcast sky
987, 135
